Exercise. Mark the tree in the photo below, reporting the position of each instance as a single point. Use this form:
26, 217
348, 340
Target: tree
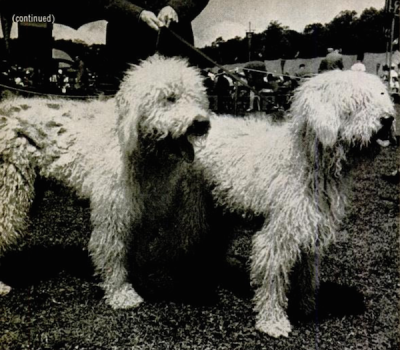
346, 31
217, 42
275, 41
341, 31
316, 29
314, 40
370, 31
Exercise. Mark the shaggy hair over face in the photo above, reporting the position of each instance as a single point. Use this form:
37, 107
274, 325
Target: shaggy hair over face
293, 176
130, 156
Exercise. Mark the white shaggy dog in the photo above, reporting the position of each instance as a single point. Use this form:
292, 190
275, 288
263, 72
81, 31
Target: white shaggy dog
293, 176
130, 156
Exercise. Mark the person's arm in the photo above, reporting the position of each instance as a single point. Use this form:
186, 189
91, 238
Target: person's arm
117, 9
124, 10
187, 10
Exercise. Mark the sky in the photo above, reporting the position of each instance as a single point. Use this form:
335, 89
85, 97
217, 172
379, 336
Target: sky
230, 18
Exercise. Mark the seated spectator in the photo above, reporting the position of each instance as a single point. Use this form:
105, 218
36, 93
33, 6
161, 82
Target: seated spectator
394, 77
273, 82
208, 81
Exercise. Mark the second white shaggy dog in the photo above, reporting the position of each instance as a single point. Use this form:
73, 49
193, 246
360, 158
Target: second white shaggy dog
293, 176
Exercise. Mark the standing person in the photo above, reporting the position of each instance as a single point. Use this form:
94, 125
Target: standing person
335, 60
222, 90
133, 30
255, 74
332, 61
80, 73
139, 34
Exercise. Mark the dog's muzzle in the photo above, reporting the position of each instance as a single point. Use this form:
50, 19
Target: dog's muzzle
199, 127
386, 133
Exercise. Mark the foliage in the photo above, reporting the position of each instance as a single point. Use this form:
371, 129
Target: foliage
347, 31
354, 34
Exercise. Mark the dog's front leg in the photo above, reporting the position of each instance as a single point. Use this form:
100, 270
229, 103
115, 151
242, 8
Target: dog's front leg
112, 219
272, 258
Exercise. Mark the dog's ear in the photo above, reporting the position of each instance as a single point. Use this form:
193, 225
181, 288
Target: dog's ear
127, 120
320, 116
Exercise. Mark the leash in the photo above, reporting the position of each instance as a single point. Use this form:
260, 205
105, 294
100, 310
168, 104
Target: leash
281, 75
158, 40
209, 59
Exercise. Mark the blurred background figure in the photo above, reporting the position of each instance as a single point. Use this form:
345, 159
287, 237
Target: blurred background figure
359, 66
393, 80
332, 61
255, 74
222, 90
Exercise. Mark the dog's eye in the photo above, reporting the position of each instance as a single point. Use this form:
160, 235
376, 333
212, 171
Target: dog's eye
382, 93
171, 98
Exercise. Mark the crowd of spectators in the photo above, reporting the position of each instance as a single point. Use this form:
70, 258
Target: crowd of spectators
68, 80
254, 89
391, 77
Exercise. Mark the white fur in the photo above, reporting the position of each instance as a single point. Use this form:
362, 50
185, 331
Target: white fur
292, 176
103, 150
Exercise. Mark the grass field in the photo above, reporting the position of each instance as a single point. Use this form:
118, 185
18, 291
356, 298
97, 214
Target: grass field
291, 66
56, 303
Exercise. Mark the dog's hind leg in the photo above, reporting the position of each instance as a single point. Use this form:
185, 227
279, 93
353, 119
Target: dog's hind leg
113, 221
304, 284
17, 177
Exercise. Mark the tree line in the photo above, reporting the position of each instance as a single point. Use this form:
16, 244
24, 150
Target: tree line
349, 32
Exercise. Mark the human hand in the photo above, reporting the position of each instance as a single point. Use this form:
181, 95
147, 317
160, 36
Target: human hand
168, 15
151, 20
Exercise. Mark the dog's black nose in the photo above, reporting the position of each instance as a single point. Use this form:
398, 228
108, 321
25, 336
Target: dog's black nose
387, 121
385, 133
199, 127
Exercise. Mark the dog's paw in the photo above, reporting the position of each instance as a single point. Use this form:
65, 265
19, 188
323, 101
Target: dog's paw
4, 289
124, 298
275, 328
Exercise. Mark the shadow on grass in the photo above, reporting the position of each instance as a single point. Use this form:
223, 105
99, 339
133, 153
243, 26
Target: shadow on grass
35, 264
28, 267
332, 301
